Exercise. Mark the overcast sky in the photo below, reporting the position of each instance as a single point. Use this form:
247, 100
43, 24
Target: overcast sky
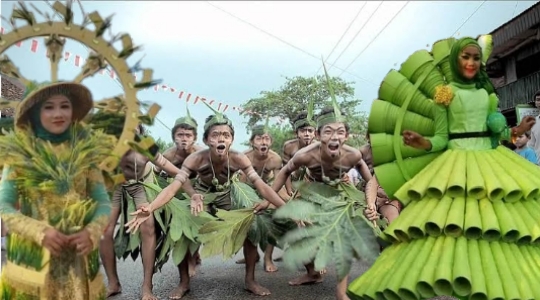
231, 51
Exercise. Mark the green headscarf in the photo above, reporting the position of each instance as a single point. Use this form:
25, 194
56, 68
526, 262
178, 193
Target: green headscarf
481, 79
41, 132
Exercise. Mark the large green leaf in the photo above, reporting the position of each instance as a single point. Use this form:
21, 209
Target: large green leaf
337, 232
243, 196
227, 234
266, 230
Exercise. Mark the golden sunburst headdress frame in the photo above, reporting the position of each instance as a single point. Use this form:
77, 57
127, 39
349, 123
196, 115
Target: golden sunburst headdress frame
104, 53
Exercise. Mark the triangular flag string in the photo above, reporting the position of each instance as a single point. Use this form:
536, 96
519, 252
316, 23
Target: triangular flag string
79, 60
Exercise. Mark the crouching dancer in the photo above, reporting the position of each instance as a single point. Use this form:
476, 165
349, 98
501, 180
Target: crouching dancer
327, 161
214, 168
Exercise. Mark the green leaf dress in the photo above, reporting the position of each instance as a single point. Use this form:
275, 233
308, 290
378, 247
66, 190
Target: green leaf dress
471, 223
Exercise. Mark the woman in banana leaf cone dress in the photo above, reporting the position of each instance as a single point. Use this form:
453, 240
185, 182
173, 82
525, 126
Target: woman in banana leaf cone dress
469, 228
216, 168
50, 168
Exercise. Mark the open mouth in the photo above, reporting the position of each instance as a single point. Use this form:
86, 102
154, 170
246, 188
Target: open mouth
333, 147
264, 149
220, 149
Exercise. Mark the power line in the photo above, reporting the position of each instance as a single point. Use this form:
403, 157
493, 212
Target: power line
469, 17
357, 33
283, 41
515, 9
376, 36
344, 33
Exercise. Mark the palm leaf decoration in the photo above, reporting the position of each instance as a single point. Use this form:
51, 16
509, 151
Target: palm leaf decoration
227, 234
339, 231
54, 168
6, 125
177, 229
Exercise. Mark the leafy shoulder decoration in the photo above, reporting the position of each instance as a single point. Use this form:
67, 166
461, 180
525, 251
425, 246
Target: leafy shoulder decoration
338, 232
52, 168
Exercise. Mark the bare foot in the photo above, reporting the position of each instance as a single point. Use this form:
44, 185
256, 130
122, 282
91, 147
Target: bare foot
322, 272
148, 296
257, 289
243, 260
269, 266
113, 290
180, 291
306, 279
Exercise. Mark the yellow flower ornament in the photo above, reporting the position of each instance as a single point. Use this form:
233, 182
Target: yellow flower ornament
443, 95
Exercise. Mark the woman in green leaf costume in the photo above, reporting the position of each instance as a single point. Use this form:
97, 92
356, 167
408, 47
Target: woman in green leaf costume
51, 168
218, 191
470, 223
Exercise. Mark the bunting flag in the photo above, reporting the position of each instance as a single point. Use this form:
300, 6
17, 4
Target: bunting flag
79, 60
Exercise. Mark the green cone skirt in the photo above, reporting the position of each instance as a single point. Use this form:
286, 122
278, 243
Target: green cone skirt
471, 229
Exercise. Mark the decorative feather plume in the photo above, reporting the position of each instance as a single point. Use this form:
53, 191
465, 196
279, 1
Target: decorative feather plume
486, 43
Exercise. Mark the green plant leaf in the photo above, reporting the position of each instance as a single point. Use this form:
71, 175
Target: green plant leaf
243, 195
227, 234
337, 232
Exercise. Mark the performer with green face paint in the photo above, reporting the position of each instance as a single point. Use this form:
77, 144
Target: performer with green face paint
470, 224
215, 168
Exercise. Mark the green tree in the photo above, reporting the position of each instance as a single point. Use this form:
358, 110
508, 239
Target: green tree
294, 96
280, 134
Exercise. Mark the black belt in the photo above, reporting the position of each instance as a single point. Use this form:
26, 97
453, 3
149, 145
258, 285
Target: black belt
466, 135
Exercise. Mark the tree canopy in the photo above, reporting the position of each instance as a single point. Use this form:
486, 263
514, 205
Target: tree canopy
293, 97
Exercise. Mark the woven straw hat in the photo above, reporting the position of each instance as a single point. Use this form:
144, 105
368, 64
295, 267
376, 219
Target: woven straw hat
78, 94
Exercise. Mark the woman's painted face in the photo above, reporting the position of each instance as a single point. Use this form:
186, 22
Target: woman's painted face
56, 114
469, 61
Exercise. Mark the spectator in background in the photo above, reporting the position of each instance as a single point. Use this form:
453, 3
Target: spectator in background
534, 141
354, 176
523, 149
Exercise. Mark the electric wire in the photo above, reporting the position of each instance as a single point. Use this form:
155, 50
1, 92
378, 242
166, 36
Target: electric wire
357, 33
515, 9
284, 41
374, 38
343, 35
469, 17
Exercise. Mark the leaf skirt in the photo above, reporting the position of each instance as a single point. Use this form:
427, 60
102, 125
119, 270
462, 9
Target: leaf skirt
470, 228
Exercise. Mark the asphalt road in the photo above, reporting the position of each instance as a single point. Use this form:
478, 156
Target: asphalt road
223, 280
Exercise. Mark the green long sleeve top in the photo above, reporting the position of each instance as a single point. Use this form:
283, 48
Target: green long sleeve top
468, 112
